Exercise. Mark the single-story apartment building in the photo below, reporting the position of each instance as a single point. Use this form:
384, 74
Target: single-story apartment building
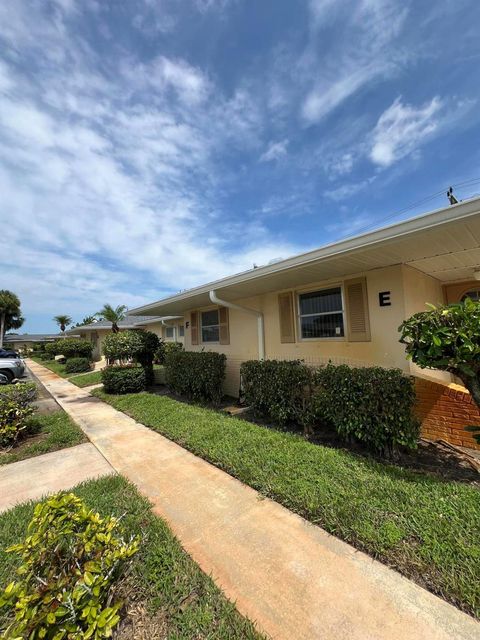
169, 328
342, 302
24, 341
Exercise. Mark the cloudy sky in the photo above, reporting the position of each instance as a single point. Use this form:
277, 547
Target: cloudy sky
151, 145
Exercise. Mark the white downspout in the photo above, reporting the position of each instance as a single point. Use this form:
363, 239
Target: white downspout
164, 322
253, 312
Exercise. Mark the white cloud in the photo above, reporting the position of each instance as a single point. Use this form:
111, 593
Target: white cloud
402, 128
110, 175
362, 53
275, 151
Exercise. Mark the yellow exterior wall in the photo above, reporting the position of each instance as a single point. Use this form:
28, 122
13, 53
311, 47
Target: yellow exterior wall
383, 349
384, 322
419, 289
160, 330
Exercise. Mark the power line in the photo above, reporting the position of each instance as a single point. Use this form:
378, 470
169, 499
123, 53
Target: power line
417, 203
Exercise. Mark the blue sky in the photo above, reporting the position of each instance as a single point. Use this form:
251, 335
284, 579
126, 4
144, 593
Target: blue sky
149, 146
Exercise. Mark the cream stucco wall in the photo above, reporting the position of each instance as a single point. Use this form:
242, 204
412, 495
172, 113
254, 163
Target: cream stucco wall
419, 289
383, 349
161, 330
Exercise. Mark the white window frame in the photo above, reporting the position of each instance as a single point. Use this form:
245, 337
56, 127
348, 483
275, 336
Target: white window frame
202, 341
319, 289
181, 330
172, 329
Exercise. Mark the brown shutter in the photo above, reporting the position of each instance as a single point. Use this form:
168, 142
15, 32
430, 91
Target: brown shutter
287, 322
358, 323
194, 327
223, 329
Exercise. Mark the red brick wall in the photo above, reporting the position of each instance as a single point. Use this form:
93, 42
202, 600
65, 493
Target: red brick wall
445, 411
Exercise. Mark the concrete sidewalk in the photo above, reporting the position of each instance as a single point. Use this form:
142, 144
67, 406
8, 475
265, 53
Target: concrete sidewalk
34, 478
293, 579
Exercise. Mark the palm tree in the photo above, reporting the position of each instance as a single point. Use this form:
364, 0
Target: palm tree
10, 313
86, 320
63, 322
113, 315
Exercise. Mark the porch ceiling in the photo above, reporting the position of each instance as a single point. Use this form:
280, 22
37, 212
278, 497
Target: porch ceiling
444, 244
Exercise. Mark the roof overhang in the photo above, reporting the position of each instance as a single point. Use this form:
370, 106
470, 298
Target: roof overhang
444, 244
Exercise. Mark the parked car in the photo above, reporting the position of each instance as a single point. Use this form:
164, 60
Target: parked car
8, 353
12, 368
3, 379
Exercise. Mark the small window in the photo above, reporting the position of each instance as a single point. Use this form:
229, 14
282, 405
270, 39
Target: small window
181, 330
169, 332
321, 314
473, 295
210, 326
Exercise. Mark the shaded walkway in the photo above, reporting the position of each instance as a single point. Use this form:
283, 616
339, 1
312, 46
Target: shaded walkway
292, 578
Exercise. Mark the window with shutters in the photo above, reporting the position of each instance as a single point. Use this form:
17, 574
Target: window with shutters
322, 314
210, 324
181, 330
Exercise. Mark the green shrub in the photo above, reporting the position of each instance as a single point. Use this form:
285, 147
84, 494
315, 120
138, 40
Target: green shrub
120, 379
276, 389
372, 405
198, 375
146, 355
166, 348
71, 558
46, 355
77, 365
70, 348
23, 392
15, 409
122, 346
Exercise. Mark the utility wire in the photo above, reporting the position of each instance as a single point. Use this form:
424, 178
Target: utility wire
417, 203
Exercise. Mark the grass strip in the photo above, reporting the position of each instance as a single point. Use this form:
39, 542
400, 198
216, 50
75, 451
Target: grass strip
426, 528
166, 593
59, 430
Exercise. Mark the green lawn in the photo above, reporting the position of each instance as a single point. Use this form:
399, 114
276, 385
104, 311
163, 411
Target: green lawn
57, 368
59, 432
86, 379
426, 528
177, 600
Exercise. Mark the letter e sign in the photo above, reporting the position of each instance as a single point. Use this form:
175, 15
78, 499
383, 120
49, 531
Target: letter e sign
384, 299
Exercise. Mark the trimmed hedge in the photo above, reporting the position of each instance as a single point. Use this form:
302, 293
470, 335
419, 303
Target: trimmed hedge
165, 348
198, 375
70, 348
276, 389
371, 405
119, 380
77, 365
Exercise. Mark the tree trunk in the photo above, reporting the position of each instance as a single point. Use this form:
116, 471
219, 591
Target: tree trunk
115, 328
2, 329
473, 385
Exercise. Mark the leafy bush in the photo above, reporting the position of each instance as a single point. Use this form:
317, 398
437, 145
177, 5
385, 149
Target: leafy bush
71, 559
119, 380
70, 348
15, 409
198, 375
447, 338
372, 405
145, 357
77, 365
165, 348
46, 355
122, 346
276, 389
